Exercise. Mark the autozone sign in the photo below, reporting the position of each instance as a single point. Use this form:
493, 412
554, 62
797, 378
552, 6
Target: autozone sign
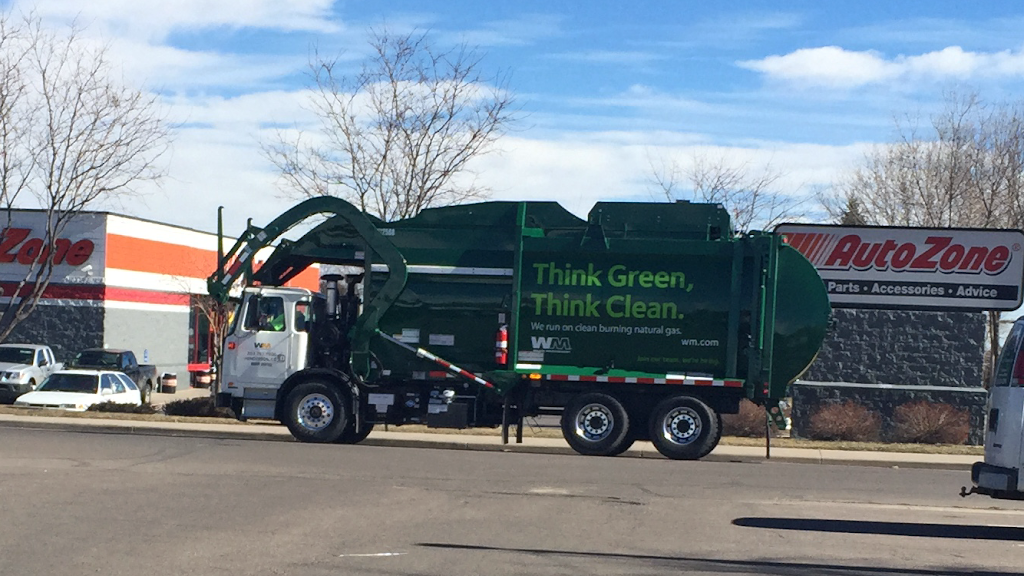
19, 245
914, 268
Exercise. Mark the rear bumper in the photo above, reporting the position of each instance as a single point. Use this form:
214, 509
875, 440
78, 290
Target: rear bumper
996, 481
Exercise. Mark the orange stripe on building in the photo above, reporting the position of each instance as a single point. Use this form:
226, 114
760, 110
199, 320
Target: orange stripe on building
144, 255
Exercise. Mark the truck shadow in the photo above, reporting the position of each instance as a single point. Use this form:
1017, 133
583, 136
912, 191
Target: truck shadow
924, 530
657, 564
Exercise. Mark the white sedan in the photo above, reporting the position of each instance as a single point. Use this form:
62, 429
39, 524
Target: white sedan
76, 390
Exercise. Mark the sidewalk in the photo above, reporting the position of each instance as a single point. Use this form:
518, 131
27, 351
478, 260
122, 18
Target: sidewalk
276, 432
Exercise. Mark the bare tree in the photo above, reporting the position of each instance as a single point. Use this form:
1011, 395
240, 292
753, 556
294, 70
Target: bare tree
71, 137
750, 195
394, 136
964, 169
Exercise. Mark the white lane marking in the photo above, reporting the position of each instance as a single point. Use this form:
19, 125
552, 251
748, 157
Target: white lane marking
374, 555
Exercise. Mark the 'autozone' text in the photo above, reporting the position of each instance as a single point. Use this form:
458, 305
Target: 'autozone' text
939, 253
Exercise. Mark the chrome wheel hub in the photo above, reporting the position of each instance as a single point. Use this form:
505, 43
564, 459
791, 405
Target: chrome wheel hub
315, 412
681, 426
594, 422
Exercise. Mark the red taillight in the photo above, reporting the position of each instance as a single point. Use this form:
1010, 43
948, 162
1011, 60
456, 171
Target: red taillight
1017, 378
501, 346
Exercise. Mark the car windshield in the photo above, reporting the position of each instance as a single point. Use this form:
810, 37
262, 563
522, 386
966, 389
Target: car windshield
96, 358
16, 355
85, 383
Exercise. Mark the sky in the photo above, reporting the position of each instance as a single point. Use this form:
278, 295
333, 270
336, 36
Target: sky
603, 88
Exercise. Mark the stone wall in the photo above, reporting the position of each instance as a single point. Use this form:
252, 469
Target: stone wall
66, 329
902, 347
884, 358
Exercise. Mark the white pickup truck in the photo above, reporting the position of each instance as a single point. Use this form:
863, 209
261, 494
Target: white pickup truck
23, 367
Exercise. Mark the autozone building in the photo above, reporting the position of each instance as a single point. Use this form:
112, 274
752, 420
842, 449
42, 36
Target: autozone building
118, 282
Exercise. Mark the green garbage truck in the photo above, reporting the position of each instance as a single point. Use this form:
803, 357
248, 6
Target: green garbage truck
646, 321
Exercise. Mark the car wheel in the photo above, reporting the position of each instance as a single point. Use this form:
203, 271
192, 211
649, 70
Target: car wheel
316, 412
144, 393
684, 428
595, 424
31, 384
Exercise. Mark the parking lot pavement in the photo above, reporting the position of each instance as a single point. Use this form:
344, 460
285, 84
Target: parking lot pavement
159, 398
271, 431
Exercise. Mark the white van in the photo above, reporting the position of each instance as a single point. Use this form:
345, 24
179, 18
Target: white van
999, 476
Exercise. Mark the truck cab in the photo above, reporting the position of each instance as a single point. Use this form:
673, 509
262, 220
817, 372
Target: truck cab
999, 475
269, 342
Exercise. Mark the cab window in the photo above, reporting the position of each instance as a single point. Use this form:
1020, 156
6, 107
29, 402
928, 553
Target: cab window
302, 316
1004, 375
265, 314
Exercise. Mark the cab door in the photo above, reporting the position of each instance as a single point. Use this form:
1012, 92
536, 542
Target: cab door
1005, 428
259, 351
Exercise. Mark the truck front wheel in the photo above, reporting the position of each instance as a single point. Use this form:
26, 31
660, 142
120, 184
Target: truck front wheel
316, 412
684, 428
595, 424
350, 436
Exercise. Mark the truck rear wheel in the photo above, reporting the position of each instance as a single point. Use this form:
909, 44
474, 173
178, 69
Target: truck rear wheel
595, 424
684, 428
316, 412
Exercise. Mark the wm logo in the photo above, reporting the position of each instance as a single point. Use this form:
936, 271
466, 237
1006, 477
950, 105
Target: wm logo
551, 344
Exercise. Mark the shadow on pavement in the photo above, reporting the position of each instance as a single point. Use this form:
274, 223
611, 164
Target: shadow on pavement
955, 531
676, 564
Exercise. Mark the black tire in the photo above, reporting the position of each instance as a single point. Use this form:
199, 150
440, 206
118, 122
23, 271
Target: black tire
350, 436
316, 412
596, 424
684, 428
145, 393
626, 445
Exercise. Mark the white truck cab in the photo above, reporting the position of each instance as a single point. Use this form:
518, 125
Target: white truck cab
266, 343
999, 476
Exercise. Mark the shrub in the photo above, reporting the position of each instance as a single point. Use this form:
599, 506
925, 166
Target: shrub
930, 423
847, 421
197, 407
748, 422
122, 408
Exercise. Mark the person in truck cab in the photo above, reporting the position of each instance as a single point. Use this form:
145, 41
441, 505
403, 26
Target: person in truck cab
272, 314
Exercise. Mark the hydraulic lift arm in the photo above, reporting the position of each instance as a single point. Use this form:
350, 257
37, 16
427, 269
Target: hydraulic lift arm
233, 264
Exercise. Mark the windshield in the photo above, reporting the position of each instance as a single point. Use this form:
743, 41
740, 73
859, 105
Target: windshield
96, 358
85, 383
16, 355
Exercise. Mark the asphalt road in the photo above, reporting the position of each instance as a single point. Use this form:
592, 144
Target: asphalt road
77, 503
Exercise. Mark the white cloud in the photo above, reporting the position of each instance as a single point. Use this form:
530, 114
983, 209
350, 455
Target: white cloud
169, 69
832, 66
155, 20
580, 169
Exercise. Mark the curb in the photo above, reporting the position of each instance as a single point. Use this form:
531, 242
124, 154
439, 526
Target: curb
722, 454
